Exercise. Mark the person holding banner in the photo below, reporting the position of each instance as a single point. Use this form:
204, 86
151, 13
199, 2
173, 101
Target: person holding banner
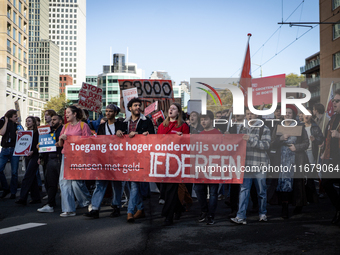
8, 129
30, 181
136, 124
195, 126
69, 188
290, 154
258, 142
52, 161
173, 124
110, 127
207, 209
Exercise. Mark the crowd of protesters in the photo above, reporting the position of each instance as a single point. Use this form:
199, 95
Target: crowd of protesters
319, 141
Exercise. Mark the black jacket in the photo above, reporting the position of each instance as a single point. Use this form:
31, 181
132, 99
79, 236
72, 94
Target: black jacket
317, 133
119, 125
9, 139
144, 124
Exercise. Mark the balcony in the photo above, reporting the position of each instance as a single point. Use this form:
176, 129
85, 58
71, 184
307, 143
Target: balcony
313, 80
9, 50
9, 67
9, 84
309, 66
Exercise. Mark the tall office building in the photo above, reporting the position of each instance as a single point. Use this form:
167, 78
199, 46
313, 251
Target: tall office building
13, 55
43, 54
67, 28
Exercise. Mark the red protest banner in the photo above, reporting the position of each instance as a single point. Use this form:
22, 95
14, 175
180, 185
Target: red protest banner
156, 115
156, 158
90, 97
262, 88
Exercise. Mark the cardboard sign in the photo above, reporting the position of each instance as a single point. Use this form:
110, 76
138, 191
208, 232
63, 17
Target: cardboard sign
128, 94
158, 115
149, 91
47, 139
151, 108
263, 88
23, 143
156, 158
291, 131
90, 97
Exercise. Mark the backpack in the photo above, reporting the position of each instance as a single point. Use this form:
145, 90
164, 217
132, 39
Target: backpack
81, 125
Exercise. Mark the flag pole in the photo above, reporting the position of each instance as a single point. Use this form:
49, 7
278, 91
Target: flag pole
324, 119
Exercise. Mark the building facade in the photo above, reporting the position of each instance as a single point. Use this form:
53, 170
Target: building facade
35, 104
329, 47
67, 28
311, 70
13, 55
64, 80
43, 54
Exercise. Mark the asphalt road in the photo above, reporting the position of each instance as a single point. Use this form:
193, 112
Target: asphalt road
307, 233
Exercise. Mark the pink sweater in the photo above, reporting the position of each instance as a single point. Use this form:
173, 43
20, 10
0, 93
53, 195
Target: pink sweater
75, 130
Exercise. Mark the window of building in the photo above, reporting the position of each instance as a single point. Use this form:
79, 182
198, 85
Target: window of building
14, 17
14, 34
336, 31
14, 50
19, 37
335, 4
336, 60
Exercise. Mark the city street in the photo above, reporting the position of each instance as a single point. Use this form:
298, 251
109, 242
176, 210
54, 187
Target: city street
307, 233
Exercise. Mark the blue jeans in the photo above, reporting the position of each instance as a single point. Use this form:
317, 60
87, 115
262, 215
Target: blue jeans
99, 192
261, 188
201, 192
5, 155
69, 189
135, 199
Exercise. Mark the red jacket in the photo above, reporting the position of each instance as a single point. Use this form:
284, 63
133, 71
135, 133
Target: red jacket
173, 129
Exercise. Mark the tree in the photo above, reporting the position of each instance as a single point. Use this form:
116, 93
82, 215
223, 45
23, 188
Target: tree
294, 79
57, 103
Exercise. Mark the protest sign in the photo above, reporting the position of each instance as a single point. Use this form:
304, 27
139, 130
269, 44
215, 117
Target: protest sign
47, 139
156, 158
157, 115
151, 108
90, 97
291, 131
23, 143
128, 94
262, 88
149, 91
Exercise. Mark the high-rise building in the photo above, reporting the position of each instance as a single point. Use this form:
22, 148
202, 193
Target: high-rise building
13, 55
67, 28
43, 54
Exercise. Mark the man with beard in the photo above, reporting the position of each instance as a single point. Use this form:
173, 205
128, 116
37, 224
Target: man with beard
136, 124
52, 162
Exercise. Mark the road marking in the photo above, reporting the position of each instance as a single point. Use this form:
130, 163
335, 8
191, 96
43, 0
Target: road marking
20, 227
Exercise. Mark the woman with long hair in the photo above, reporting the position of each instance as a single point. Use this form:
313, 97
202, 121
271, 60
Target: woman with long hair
173, 124
69, 188
30, 182
290, 154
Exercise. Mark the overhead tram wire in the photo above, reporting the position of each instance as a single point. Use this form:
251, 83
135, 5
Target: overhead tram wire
272, 36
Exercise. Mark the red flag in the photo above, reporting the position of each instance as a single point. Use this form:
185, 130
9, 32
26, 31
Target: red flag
245, 81
330, 110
